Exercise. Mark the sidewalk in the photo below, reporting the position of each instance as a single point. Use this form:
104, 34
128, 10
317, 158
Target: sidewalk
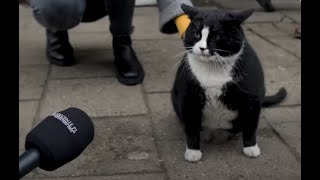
137, 134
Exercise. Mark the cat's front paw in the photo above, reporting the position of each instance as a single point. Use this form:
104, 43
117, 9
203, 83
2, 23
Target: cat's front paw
252, 151
192, 155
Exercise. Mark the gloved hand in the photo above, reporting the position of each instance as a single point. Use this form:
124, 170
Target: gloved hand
182, 23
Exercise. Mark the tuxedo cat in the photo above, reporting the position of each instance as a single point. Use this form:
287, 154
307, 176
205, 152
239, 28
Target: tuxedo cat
220, 82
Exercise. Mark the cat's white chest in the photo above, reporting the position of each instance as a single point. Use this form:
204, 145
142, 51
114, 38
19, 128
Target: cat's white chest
215, 114
212, 79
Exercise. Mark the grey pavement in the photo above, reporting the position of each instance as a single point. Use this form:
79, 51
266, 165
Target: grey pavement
137, 134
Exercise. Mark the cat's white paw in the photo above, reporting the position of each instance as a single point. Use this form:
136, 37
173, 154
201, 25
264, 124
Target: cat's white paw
192, 155
252, 151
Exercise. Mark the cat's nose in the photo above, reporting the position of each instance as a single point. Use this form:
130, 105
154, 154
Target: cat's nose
202, 48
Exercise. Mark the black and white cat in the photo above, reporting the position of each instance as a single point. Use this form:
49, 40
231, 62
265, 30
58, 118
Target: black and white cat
220, 82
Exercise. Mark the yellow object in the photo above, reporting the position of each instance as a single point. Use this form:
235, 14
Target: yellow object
182, 23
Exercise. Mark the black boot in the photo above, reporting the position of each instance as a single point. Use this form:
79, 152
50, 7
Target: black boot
129, 69
59, 50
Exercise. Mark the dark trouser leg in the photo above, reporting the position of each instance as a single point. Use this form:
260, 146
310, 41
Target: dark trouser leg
120, 15
129, 69
59, 50
57, 16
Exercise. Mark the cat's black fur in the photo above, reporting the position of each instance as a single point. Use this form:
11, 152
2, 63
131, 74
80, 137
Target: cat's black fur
246, 94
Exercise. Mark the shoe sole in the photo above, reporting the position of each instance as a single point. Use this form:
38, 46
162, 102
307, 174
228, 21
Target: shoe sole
132, 81
61, 63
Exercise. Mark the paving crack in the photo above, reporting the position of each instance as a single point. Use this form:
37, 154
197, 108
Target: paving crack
157, 145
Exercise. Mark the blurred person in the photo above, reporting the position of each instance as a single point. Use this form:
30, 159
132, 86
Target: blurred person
58, 16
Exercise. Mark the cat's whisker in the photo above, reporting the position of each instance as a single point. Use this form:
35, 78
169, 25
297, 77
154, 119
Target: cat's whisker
224, 59
232, 66
184, 68
213, 65
181, 53
177, 64
187, 45
184, 47
236, 67
196, 25
222, 50
219, 60
240, 42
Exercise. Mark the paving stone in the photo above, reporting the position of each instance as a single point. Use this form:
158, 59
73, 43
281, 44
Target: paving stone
287, 123
247, 4
288, 43
165, 121
246, 31
288, 77
21, 151
259, 17
287, 27
294, 15
282, 114
24, 11
31, 81
91, 41
266, 30
290, 132
283, 74
27, 112
89, 64
31, 39
271, 56
120, 145
160, 64
293, 92
153, 176
99, 26
27, 22
286, 19
32, 49
146, 23
98, 97
227, 161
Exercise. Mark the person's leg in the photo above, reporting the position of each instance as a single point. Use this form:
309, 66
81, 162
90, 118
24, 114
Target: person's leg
57, 16
120, 15
129, 69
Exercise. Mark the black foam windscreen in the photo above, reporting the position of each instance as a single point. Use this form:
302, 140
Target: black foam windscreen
61, 137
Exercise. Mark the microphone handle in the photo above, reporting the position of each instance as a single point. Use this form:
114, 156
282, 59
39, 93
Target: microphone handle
28, 161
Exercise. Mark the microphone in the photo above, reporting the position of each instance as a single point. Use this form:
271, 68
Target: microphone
57, 140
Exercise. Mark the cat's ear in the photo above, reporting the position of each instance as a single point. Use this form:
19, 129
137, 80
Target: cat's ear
190, 11
241, 16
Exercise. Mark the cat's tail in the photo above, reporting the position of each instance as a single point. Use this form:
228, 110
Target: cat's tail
274, 99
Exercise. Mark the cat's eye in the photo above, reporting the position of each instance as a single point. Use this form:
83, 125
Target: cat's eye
197, 35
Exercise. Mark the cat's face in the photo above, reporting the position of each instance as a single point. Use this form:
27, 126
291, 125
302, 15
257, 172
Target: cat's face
214, 33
